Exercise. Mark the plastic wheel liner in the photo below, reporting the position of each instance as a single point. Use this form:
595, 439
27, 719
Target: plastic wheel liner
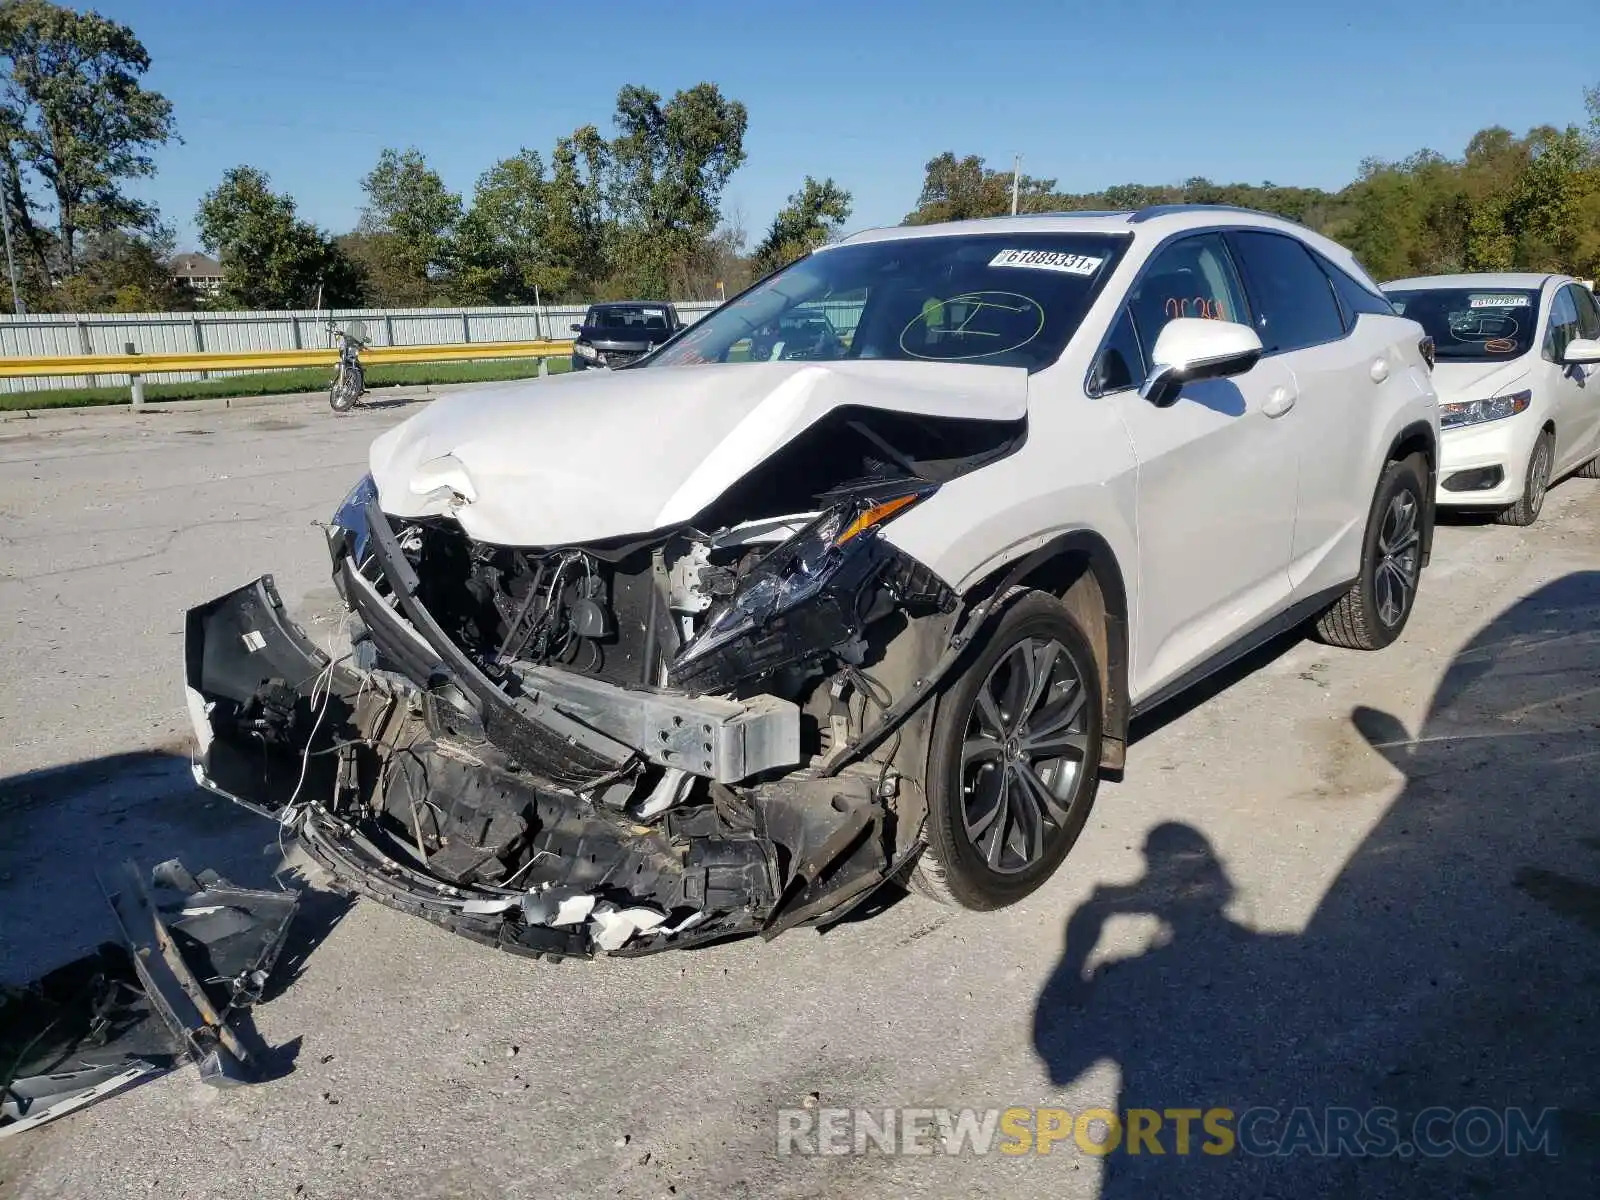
421, 783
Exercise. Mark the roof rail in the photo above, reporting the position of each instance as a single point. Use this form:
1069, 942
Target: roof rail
1081, 212
1066, 212
1152, 211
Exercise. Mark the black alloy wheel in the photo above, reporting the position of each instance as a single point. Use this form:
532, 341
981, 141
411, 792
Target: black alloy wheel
1015, 758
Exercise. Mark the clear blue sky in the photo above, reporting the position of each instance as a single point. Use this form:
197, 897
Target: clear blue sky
866, 91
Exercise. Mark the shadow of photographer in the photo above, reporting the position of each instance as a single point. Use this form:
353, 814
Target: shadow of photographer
1452, 968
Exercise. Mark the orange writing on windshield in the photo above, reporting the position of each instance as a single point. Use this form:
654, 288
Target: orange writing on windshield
1203, 306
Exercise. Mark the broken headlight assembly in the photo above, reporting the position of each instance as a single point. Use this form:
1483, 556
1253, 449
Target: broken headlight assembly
350, 520
811, 595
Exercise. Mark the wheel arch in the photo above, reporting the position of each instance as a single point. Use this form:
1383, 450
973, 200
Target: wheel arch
1419, 438
1081, 570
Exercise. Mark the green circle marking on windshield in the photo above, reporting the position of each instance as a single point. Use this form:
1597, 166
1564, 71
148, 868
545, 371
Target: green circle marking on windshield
972, 325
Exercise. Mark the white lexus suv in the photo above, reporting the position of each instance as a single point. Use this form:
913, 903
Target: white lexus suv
721, 641
1518, 373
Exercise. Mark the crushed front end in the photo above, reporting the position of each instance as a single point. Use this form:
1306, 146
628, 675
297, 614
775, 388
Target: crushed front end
622, 746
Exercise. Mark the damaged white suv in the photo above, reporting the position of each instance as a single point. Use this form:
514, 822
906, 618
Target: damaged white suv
720, 642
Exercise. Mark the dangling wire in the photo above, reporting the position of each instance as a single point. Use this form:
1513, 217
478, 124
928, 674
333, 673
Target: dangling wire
507, 649
873, 691
324, 684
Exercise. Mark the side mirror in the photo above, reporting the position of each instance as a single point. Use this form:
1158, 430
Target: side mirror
575, 328
1190, 349
1581, 350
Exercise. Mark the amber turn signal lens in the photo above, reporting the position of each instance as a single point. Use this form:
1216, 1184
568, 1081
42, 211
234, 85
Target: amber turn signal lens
875, 515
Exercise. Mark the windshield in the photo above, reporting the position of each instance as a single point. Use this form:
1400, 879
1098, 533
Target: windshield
627, 320
1473, 324
1011, 300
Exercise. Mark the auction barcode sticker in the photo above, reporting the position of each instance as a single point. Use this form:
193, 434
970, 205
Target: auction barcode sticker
1048, 260
1500, 302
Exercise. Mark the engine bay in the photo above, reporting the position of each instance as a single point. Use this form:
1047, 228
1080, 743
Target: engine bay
651, 616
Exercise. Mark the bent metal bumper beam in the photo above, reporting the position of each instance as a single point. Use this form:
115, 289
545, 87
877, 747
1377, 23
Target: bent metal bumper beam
725, 740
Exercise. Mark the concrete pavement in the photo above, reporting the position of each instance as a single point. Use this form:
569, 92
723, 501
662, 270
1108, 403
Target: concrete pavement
1265, 911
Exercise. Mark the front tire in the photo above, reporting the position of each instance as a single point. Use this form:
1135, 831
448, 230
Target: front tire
341, 394
1376, 608
1014, 761
1535, 484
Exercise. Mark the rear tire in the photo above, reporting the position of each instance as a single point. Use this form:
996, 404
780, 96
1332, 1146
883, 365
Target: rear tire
1590, 469
1014, 760
1376, 608
1535, 484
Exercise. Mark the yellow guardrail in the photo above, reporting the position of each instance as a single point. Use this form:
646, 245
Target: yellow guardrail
267, 360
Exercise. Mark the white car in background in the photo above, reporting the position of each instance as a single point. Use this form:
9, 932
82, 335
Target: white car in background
1518, 372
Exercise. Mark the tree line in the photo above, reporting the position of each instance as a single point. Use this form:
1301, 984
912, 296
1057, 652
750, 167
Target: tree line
636, 209
635, 213
1509, 202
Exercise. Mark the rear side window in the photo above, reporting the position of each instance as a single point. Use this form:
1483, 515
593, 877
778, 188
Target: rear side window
1353, 298
1293, 300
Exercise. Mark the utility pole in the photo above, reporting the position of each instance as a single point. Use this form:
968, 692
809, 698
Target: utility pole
11, 262
1016, 180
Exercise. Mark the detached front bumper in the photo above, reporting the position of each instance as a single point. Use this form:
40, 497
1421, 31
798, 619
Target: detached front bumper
416, 780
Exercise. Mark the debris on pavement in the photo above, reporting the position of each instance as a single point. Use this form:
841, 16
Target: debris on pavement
198, 952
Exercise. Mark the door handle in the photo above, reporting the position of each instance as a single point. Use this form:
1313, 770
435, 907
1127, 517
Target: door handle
1279, 401
1380, 370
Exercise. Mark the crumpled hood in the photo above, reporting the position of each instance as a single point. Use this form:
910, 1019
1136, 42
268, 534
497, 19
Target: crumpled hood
1476, 380
585, 457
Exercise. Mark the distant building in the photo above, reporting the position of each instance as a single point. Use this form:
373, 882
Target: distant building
200, 271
